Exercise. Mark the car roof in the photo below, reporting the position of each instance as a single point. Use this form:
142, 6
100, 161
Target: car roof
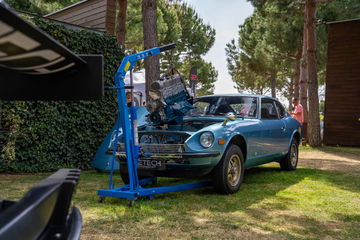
237, 95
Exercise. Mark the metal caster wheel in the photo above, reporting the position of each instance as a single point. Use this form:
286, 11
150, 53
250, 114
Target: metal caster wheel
131, 202
101, 199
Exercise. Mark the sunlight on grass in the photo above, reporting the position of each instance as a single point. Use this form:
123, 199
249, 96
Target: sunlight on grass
304, 204
272, 204
312, 206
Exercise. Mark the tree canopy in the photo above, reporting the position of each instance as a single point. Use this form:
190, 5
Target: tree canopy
176, 22
39, 7
270, 40
263, 56
179, 23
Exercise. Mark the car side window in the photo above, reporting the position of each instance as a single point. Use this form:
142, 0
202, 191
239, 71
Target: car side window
280, 109
268, 109
244, 106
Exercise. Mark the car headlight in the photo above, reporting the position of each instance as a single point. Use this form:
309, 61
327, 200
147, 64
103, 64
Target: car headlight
206, 139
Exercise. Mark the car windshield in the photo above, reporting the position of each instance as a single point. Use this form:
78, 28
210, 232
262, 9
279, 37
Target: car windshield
220, 105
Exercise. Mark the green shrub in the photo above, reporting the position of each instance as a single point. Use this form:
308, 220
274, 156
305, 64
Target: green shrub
47, 135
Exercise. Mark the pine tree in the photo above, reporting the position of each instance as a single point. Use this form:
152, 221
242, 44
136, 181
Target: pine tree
121, 25
152, 66
313, 135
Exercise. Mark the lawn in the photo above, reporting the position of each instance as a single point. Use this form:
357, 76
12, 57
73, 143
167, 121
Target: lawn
317, 201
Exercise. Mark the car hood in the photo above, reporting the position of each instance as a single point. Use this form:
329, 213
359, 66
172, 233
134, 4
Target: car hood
192, 125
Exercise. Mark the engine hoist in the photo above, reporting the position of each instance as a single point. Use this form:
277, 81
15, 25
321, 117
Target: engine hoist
129, 136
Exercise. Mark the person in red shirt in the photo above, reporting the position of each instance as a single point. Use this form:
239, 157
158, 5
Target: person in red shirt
298, 112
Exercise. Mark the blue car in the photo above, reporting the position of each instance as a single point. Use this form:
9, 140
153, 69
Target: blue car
220, 137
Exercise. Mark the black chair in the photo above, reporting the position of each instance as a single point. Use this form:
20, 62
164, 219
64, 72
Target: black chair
44, 212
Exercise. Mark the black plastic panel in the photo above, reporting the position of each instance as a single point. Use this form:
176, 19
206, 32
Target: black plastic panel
33, 66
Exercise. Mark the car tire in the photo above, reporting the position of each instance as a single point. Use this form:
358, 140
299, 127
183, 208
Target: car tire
228, 175
290, 161
125, 175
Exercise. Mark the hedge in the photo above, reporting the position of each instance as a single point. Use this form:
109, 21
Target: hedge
39, 136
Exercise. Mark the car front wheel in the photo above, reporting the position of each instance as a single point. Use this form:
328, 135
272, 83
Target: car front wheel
290, 161
229, 173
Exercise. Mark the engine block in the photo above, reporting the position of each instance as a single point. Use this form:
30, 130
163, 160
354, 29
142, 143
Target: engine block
169, 100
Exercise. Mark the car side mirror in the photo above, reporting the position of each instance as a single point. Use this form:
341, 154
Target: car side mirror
230, 116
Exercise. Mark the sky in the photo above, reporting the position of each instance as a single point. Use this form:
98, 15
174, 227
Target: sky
225, 16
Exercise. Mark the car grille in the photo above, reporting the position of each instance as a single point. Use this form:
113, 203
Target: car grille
162, 148
157, 148
163, 137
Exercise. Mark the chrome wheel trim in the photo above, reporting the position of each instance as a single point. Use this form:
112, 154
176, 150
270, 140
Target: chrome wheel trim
293, 155
234, 170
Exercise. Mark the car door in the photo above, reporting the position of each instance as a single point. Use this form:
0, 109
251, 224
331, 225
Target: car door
284, 140
272, 128
248, 108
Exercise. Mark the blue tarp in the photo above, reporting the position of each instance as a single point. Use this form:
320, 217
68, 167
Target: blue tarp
101, 160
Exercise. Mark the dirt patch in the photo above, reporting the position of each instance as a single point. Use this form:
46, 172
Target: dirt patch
335, 161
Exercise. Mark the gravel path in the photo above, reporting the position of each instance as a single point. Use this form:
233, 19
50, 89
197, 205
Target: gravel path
337, 161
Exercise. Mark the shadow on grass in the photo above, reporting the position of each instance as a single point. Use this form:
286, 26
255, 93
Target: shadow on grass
253, 206
259, 183
260, 206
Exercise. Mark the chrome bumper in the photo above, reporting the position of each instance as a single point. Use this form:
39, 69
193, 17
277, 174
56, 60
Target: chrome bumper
170, 155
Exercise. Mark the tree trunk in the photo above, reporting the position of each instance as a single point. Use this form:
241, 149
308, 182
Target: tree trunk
152, 65
297, 74
314, 121
291, 93
273, 85
121, 27
303, 80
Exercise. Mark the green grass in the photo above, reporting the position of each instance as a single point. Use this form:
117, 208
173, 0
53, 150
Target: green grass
272, 204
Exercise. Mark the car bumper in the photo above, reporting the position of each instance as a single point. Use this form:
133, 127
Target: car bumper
172, 155
186, 164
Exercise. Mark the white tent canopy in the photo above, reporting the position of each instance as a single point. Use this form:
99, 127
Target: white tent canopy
139, 86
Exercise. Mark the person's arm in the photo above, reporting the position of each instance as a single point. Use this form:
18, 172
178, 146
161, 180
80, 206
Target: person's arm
298, 110
295, 112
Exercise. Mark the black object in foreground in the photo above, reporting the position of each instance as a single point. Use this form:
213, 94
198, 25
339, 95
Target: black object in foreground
33, 66
44, 212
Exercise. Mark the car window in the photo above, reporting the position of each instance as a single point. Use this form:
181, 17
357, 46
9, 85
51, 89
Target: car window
242, 106
201, 108
268, 109
280, 109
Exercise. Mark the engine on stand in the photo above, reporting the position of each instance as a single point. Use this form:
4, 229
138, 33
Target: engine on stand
169, 101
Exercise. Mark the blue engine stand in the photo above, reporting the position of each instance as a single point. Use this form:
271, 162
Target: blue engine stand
134, 189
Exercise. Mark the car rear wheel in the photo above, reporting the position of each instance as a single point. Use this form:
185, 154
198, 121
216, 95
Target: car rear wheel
228, 175
289, 163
